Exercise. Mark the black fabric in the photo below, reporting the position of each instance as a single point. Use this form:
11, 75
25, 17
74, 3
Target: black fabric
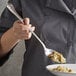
5, 58
71, 4
55, 26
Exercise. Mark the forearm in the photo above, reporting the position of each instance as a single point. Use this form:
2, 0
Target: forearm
18, 32
7, 41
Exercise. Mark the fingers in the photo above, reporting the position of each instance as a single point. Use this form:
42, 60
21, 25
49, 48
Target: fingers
26, 21
24, 36
32, 28
22, 30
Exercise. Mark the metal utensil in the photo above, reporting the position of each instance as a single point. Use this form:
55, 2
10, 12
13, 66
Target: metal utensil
13, 11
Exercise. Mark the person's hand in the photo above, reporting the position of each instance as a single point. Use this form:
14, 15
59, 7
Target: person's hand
21, 30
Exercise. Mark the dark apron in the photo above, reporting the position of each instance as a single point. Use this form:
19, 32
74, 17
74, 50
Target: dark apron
55, 26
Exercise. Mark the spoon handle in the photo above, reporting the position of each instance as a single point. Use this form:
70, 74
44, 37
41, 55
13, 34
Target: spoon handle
12, 10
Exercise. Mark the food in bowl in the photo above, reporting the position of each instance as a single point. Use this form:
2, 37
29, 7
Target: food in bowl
58, 73
57, 57
62, 69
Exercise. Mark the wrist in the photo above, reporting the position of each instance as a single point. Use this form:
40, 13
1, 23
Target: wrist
8, 41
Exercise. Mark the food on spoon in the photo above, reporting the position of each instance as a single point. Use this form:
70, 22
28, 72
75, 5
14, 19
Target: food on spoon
62, 69
57, 57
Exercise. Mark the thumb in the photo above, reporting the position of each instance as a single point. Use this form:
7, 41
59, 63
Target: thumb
26, 21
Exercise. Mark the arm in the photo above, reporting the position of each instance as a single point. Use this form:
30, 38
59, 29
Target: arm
18, 32
7, 38
7, 41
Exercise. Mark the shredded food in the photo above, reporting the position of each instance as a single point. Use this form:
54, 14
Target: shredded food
57, 57
62, 69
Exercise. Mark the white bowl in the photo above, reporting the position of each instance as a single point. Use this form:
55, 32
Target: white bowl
71, 66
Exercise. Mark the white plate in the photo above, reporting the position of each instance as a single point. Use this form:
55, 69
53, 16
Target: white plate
71, 66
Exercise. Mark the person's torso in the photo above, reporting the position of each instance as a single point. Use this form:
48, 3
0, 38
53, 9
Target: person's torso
56, 29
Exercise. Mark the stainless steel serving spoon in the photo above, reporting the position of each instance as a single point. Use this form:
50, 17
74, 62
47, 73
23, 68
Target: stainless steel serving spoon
13, 11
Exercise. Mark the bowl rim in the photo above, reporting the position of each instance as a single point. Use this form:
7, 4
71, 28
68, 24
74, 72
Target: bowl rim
74, 73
